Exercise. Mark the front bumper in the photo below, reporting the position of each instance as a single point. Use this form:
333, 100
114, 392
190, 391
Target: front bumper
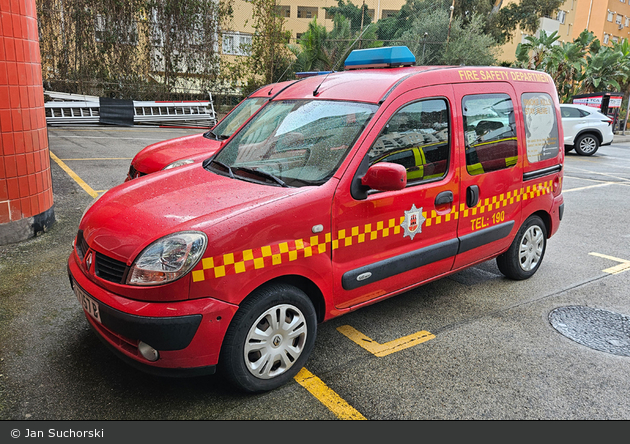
187, 334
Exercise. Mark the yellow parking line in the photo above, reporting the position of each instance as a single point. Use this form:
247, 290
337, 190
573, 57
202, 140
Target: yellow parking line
326, 396
590, 186
390, 347
623, 266
74, 176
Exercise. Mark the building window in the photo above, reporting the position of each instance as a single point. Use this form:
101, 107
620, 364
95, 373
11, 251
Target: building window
235, 43
619, 19
283, 11
125, 32
387, 13
561, 16
627, 21
307, 12
615, 39
610, 16
606, 37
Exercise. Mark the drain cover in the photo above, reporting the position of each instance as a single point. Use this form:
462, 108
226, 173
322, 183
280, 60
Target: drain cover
598, 329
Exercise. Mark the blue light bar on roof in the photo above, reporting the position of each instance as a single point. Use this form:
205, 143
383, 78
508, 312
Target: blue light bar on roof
380, 57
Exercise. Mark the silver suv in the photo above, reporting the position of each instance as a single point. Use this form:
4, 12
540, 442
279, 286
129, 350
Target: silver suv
585, 129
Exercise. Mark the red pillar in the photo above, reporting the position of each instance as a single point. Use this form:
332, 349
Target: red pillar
26, 198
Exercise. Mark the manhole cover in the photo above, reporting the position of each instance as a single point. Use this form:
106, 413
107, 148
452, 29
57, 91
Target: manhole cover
598, 329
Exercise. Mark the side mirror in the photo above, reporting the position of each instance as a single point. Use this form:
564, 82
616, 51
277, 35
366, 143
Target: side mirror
385, 176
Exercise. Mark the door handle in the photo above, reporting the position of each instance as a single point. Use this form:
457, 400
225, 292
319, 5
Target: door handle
445, 197
472, 196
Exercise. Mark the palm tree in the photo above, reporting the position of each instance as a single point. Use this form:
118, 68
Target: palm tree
604, 71
566, 64
536, 52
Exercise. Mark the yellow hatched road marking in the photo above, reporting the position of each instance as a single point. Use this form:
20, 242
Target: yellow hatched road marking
74, 176
624, 266
326, 396
390, 347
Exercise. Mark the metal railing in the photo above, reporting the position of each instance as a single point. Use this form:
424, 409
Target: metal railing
145, 112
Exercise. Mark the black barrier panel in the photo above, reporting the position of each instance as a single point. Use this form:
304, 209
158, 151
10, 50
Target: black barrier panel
116, 111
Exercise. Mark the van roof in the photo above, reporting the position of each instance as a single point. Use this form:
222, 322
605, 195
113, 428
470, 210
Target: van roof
372, 85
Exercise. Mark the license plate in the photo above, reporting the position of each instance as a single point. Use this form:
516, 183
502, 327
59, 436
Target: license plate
88, 304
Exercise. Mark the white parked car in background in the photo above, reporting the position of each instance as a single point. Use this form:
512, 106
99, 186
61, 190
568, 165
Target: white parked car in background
585, 129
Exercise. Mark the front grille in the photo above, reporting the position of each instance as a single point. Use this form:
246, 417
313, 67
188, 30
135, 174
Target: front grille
81, 245
110, 269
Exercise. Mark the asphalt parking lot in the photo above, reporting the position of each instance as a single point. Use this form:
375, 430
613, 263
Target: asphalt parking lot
471, 346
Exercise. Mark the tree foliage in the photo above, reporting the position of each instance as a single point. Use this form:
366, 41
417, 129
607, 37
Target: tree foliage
120, 47
467, 44
358, 17
525, 14
581, 66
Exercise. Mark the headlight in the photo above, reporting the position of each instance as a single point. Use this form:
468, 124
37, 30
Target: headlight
178, 163
168, 258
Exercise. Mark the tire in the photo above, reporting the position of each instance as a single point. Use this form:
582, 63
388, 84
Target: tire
586, 144
259, 354
567, 149
526, 253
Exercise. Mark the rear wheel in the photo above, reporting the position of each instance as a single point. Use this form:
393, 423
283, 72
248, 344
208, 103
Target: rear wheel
269, 339
587, 144
526, 253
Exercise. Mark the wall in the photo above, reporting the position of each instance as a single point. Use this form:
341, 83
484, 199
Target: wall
26, 198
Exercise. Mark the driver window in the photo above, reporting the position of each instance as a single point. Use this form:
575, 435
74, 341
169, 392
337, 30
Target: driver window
416, 137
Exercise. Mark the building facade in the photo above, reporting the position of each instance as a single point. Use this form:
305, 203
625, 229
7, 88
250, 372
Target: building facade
609, 20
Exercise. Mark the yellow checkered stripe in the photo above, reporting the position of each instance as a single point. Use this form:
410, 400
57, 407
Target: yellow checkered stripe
367, 232
257, 258
285, 252
490, 204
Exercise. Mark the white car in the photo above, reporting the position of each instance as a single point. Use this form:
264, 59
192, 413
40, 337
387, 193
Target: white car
585, 129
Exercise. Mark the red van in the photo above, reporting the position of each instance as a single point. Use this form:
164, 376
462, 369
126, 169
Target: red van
198, 147
344, 190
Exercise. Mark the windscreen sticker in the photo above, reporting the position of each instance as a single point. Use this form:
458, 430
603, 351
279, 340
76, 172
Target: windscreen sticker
541, 126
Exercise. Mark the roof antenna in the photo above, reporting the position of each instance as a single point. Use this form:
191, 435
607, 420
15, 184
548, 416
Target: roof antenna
340, 59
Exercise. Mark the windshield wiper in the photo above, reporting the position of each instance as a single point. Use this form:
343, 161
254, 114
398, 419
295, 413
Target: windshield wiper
263, 174
211, 133
221, 164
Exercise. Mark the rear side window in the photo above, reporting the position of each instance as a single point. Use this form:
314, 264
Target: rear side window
541, 127
490, 131
416, 137
572, 112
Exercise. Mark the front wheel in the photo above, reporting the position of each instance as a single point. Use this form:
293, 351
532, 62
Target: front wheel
526, 253
269, 339
587, 145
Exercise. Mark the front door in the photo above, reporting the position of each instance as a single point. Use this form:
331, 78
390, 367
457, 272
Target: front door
393, 240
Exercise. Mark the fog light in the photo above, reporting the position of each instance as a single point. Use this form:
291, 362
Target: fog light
148, 352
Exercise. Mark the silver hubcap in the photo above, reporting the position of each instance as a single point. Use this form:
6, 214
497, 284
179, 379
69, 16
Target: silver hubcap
275, 341
531, 248
588, 144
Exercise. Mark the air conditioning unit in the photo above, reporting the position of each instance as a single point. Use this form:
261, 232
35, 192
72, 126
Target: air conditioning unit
620, 25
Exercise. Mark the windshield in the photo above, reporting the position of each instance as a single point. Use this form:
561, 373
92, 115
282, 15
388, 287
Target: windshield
293, 142
237, 117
